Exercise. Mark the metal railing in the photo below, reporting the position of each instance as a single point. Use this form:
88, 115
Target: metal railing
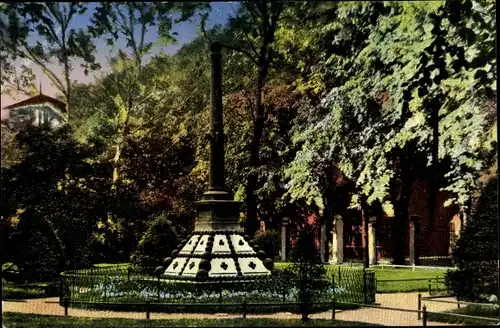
459, 315
422, 312
106, 285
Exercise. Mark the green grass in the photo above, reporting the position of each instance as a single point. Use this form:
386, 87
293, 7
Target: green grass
472, 310
35, 320
33, 290
396, 274
113, 265
11, 292
381, 274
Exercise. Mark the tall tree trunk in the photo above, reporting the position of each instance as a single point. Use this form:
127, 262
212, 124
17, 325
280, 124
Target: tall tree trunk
252, 223
401, 211
432, 183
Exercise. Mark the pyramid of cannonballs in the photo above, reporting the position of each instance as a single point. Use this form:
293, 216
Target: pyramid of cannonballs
217, 248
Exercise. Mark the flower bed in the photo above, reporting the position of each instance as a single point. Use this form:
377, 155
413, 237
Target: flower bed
131, 291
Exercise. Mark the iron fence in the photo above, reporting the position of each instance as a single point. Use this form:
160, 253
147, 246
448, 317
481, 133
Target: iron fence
116, 285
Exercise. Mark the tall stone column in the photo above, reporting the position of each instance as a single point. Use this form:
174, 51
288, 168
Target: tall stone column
372, 240
322, 250
284, 223
414, 239
337, 253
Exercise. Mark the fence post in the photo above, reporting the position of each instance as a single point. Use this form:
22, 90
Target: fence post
424, 316
284, 287
129, 269
220, 291
419, 305
74, 286
105, 287
244, 305
61, 289
340, 276
147, 310
158, 288
66, 305
364, 287
429, 287
333, 308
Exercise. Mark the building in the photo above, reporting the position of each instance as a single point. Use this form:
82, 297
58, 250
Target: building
340, 239
40, 111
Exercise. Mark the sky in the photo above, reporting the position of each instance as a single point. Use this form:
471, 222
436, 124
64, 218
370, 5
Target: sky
187, 31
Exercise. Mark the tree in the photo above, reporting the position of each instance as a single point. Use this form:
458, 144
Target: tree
308, 270
379, 131
50, 22
131, 21
49, 203
476, 252
255, 25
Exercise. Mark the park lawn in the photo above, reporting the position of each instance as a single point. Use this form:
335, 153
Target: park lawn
381, 274
14, 292
32, 290
472, 310
388, 273
18, 320
121, 266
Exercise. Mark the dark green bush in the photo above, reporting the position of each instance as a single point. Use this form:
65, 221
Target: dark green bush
268, 241
476, 252
157, 243
308, 270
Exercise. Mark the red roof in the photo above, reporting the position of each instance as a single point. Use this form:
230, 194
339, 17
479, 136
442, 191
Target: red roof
37, 100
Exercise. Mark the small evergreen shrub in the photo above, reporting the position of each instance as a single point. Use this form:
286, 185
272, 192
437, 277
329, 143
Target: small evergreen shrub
157, 243
268, 241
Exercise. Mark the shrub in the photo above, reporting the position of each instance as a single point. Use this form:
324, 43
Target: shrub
476, 252
308, 269
268, 241
157, 243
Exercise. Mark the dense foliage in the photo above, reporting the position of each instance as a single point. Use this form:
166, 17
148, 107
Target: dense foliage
157, 243
330, 108
476, 252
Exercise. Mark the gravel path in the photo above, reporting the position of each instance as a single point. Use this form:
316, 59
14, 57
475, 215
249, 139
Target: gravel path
370, 315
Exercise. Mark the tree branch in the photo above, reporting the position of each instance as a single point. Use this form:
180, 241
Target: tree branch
28, 53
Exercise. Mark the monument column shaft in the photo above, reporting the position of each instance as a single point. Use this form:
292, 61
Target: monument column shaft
217, 179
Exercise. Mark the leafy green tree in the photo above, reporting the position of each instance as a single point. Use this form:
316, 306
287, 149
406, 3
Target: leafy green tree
378, 130
253, 29
50, 203
51, 23
131, 21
